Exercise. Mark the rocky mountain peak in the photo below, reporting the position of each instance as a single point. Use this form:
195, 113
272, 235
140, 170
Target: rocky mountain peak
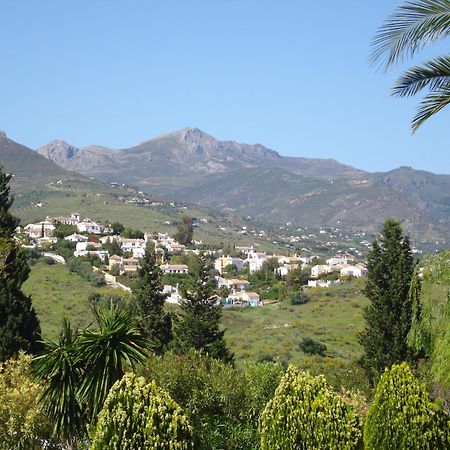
2, 135
58, 151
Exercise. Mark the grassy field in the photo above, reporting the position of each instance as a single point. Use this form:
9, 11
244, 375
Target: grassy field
58, 293
333, 317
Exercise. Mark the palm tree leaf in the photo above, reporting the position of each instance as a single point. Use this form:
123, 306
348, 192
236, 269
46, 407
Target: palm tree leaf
434, 74
431, 105
408, 29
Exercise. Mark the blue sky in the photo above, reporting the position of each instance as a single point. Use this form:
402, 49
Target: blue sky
292, 75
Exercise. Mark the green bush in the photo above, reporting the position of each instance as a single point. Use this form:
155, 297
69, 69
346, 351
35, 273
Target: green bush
137, 415
312, 347
402, 415
306, 413
299, 298
223, 403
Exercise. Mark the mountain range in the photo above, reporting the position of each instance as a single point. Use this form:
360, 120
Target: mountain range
253, 180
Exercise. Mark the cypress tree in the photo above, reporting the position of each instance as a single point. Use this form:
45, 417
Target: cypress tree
155, 323
389, 315
185, 230
198, 326
19, 325
8, 222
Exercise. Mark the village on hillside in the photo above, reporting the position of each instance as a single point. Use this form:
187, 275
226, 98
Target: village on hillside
115, 252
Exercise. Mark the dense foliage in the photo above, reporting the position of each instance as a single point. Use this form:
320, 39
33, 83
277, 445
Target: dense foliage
402, 415
390, 268
23, 425
84, 268
430, 333
313, 347
19, 325
198, 325
137, 415
155, 323
306, 413
223, 403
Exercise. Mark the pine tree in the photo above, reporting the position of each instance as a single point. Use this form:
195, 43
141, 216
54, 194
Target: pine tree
198, 326
155, 323
19, 325
388, 317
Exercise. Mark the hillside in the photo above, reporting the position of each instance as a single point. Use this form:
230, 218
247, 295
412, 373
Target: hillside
243, 179
41, 188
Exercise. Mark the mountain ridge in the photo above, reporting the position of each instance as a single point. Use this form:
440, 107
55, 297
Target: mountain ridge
253, 180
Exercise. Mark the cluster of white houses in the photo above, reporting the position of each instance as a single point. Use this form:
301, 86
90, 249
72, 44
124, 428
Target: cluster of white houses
238, 289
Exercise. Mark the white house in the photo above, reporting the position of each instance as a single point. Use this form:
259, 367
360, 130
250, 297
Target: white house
233, 284
174, 295
106, 239
244, 298
288, 260
75, 237
176, 269
337, 260
40, 229
135, 246
124, 264
89, 226
285, 269
90, 248
321, 283
175, 247
354, 271
320, 269
221, 263
74, 219
255, 261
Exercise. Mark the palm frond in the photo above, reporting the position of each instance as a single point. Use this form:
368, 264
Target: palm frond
431, 105
434, 74
408, 29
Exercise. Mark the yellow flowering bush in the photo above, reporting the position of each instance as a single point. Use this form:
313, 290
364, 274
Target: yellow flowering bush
23, 425
139, 415
306, 413
403, 417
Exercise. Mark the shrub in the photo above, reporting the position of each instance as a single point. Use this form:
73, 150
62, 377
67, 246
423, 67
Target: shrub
306, 414
216, 397
313, 347
140, 415
402, 415
23, 425
300, 298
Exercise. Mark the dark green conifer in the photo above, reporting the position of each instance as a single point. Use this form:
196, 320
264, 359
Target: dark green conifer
388, 317
198, 326
19, 325
155, 323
